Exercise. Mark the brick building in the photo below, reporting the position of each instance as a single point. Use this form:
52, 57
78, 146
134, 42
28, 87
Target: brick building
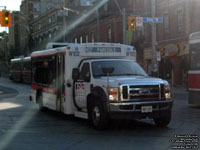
180, 19
45, 28
14, 34
106, 25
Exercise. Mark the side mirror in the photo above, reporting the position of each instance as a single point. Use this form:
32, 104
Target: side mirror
108, 70
75, 73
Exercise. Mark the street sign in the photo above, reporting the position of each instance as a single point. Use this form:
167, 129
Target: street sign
158, 57
139, 23
153, 19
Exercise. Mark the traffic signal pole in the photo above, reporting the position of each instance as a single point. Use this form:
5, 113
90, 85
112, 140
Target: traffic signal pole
155, 66
124, 25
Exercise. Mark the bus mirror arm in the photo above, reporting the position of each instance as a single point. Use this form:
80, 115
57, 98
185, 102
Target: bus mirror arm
107, 71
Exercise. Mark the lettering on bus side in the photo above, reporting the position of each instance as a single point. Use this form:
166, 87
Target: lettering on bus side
73, 53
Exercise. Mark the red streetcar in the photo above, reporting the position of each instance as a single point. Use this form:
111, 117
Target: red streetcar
194, 72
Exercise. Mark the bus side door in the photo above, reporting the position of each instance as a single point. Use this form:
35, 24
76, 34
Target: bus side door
60, 82
82, 85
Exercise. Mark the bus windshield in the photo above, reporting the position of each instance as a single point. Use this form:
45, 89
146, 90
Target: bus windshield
195, 56
121, 68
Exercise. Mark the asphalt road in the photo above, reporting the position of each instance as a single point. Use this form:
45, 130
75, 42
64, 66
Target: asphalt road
6, 92
24, 127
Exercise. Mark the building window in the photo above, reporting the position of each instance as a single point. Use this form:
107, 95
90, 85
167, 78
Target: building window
106, 7
54, 18
86, 38
81, 39
137, 2
109, 34
35, 16
39, 26
36, 7
92, 37
50, 20
75, 40
180, 19
50, 36
166, 22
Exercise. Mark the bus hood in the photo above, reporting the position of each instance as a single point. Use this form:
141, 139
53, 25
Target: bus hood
132, 80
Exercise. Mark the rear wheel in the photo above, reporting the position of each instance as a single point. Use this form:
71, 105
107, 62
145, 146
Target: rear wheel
98, 115
163, 121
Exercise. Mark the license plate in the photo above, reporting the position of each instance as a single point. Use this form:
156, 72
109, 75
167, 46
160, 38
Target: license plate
145, 109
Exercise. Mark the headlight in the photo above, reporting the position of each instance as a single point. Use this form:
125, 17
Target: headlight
167, 92
113, 94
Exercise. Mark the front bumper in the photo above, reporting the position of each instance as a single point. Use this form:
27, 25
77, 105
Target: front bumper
131, 110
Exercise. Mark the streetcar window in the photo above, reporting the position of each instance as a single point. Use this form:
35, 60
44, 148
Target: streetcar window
27, 65
195, 56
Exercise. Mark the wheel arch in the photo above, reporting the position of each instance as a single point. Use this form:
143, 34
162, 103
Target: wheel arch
99, 94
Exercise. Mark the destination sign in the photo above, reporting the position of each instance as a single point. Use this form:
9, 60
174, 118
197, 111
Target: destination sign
103, 49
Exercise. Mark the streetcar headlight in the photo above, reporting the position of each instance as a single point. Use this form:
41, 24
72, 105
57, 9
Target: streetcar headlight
113, 94
167, 92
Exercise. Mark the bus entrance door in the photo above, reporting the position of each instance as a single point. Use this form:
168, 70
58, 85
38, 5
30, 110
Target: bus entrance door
60, 82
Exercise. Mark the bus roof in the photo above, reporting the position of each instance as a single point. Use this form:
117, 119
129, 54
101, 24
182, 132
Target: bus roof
16, 59
27, 58
51, 45
194, 38
195, 35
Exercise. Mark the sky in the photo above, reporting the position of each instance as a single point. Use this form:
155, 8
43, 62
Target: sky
10, 5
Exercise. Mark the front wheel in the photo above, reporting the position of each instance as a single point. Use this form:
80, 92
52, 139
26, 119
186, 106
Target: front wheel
163, 121
98, 115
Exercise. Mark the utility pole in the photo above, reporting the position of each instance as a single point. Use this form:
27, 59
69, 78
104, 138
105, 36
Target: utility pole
154, 38
124, 25
64, 20
98, 29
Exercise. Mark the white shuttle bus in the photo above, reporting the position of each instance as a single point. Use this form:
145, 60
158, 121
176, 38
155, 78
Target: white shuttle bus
98, 82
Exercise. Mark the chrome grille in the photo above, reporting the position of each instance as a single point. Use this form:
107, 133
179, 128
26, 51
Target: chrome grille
143, 92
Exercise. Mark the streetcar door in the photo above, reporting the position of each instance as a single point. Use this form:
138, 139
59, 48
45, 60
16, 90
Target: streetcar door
60, 82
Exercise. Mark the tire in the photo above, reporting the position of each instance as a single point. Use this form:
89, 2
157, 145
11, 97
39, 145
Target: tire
40, 102
163, 121
98, 115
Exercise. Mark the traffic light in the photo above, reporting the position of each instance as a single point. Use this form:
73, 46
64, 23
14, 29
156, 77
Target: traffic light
5, 18
131, 23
